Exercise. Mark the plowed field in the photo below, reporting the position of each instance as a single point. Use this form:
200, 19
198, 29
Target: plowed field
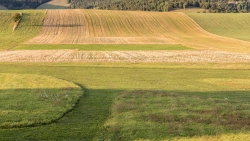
130, 27
123, 56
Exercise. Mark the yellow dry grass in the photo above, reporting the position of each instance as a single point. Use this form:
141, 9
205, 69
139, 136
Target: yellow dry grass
130, 27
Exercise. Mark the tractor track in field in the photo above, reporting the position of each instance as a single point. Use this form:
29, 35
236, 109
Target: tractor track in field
197, 56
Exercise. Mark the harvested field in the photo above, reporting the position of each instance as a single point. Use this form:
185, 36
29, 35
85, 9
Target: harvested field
62, 26
130, 27
209, 56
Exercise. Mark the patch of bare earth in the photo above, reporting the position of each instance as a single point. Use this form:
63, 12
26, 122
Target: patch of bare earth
123, 56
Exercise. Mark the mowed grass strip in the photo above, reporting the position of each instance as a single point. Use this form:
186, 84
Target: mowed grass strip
104, 47
30, 100
224, 24
157, 115
129, 101
29, 26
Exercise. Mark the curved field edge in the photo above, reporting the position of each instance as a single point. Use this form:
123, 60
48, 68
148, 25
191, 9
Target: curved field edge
224, 24
31, 100
103, 84
29, 26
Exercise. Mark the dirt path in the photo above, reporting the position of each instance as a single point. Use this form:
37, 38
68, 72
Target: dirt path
3, 7
55, 4
202, 56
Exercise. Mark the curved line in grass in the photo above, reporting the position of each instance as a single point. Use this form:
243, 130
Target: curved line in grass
28, 107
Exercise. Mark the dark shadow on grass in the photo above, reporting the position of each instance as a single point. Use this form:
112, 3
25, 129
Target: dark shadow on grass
195, 114
65, 25
35, 107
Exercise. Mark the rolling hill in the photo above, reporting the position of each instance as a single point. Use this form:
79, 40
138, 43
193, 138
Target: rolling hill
229, 25
130, 27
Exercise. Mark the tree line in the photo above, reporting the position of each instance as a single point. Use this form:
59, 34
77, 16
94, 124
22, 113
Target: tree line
22, 4
213, 6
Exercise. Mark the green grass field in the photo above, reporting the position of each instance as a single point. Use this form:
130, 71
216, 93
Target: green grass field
105, 47
29, 26
145, 101
125, 101
29, 100
229, 25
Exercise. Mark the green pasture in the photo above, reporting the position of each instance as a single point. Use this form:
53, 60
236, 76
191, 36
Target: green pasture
30, 25
102, 47
124, 101
29, 100
225, 24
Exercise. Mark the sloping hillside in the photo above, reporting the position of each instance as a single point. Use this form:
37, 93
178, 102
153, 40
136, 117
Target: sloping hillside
229, 25
55, 4
29, 26
130, 27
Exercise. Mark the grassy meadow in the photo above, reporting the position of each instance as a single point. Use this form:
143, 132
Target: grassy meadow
144, 101
29, 100
224, 24
124, 101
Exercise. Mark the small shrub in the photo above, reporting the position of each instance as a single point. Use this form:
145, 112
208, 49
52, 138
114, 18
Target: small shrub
16, 17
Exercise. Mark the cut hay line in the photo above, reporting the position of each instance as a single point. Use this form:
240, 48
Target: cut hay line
203, 56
